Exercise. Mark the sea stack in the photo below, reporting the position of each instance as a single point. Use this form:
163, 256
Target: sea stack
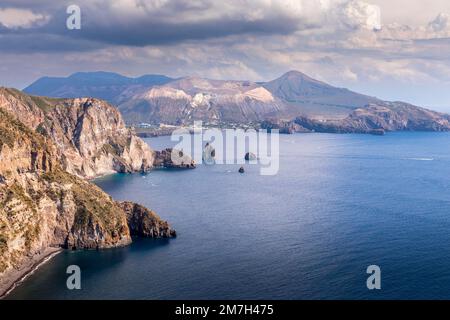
173, 158
209, 154
250, 156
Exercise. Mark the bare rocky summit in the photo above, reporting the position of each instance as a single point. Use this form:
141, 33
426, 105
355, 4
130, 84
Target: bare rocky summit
212, 101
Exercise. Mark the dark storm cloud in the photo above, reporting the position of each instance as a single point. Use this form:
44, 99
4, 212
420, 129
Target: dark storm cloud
140, 23
29, 43
49, 36
34, 5
159, 32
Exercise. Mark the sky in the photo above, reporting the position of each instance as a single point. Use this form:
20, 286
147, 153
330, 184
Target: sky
392, 49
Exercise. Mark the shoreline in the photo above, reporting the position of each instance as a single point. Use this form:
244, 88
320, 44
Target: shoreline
14, 278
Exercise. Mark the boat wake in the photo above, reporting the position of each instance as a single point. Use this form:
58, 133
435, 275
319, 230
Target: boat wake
420, 159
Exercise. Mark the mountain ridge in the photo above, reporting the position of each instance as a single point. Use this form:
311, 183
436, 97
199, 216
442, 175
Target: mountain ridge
276, 103
98, 84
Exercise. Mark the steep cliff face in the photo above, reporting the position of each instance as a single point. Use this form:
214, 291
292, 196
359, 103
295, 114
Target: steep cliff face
145, 223
90, 136
42, 204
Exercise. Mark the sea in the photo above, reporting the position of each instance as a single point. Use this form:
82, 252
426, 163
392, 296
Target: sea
338, 204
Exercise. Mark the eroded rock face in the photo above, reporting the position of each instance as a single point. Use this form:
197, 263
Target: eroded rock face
172, 158
145, 223
184, 100
43, 205
90, 135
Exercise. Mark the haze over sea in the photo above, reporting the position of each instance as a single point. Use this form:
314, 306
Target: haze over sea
338, 204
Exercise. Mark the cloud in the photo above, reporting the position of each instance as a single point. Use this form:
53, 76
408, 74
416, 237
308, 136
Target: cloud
13, 18
158, 22
345, 42
441, 23
143, 23
360, 14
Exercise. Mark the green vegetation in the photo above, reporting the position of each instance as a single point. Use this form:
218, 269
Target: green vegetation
93, 205
43, 103
15, 93
109, 149
16, 191
6, 138
31, 234
13, 131
3, 243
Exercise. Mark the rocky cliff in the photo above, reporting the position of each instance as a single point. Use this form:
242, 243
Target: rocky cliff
43, 205
173, 159
145, 223
90, 135
379, 118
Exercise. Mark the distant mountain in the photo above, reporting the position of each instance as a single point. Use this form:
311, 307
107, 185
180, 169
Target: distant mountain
214, 101
102, 85
293, 102
379, 118
315, 98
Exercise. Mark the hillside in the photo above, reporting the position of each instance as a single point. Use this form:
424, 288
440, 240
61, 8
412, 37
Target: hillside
43, 208
294, 97
316, 99
90, 134
102, 85
214, 101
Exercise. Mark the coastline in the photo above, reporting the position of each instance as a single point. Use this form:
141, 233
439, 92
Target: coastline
13, 278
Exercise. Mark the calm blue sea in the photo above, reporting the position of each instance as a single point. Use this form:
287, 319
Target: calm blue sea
338, 204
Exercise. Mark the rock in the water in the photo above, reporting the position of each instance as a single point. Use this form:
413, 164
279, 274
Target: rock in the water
250, 156
173, 158
241, 170
283, 127
146, 223
378, 132
209, 154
